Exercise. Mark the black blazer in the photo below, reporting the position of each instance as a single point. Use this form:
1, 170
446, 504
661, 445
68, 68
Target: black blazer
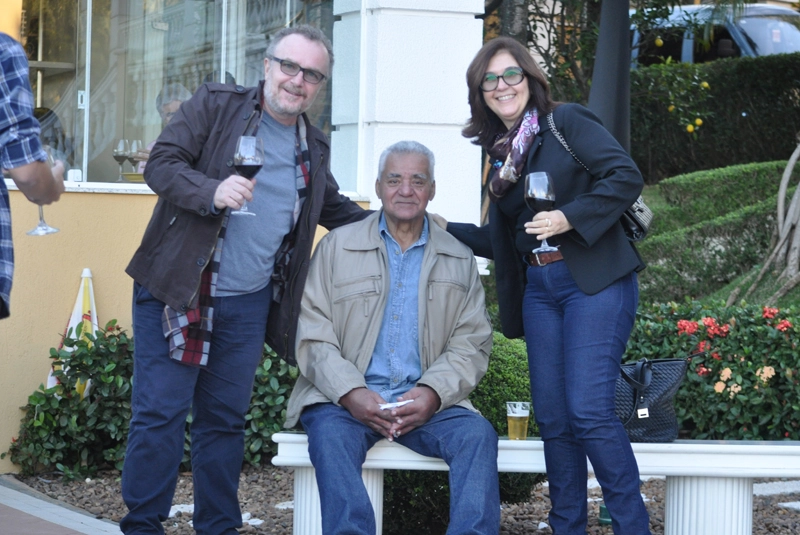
596, 250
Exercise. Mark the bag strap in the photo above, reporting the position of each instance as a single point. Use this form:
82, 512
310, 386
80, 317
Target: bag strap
642, 375
560, 138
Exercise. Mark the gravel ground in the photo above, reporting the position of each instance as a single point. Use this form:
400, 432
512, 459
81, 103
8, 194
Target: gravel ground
262, 489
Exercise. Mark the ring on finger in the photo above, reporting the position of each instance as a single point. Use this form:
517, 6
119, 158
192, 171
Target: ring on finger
548, 222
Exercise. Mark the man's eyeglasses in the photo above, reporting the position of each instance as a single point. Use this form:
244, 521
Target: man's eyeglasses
291, 68
512, 76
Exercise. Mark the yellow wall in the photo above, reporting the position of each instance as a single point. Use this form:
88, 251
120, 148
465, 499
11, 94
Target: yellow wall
10, 17
99, 231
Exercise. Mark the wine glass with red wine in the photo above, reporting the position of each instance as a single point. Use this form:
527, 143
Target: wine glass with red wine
135, 147
120, 154
247, 160
540, 197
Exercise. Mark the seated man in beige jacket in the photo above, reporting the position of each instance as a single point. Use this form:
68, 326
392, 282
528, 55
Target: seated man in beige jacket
393, 314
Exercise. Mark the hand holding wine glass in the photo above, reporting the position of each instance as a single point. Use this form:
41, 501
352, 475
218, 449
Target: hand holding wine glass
248, 160
540, 197
43, 228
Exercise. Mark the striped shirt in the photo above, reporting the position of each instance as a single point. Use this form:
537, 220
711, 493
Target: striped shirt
19, 145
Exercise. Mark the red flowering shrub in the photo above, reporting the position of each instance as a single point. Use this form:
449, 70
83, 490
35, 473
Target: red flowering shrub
687, 327
746, 386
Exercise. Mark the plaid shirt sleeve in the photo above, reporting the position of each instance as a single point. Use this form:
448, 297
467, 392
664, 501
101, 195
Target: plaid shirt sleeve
19, 129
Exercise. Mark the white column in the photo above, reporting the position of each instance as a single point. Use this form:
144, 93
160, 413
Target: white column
373, 481
307, 511
400, 74
709, 506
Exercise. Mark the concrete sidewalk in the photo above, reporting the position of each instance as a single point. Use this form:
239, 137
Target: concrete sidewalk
23, 511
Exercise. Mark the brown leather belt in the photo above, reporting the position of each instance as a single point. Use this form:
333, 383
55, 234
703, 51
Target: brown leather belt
542, 259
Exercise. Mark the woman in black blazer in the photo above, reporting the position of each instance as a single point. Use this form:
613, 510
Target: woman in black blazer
575, 307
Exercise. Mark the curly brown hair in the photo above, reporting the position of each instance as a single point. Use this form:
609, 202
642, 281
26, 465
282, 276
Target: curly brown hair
483, 125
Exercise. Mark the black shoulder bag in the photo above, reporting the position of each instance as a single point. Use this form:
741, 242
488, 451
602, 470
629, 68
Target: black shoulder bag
637, 219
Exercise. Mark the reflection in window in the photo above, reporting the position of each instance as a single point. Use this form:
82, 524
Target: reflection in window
51, 50
142, 58
772, 34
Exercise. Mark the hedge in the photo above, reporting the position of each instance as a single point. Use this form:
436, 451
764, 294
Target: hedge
749, 107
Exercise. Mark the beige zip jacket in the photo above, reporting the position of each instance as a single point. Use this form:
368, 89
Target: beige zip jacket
342, 309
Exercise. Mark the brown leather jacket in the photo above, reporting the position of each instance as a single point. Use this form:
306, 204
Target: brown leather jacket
195, 152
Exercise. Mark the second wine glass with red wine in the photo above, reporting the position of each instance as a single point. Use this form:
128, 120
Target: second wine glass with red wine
540, 197
248, 160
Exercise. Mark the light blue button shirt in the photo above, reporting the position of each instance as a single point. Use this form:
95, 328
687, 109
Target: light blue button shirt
395, 365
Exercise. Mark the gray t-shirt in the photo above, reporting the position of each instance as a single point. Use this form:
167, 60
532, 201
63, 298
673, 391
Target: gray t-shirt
251, 242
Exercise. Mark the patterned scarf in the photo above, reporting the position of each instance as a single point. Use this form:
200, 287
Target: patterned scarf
189, 333
280, 272
510, 151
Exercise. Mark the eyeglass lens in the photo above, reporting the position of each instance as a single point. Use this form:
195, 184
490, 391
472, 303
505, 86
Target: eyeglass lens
309, 75
512, 76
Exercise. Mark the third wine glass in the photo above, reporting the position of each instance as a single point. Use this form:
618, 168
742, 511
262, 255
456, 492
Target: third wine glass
540, 197
136, 146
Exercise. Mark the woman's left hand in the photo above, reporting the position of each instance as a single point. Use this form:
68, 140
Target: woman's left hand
547, 224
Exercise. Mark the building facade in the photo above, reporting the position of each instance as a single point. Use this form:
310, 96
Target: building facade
97, 68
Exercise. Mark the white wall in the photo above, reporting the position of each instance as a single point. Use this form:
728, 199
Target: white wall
400, 74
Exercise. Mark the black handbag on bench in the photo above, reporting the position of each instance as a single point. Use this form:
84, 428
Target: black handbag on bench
644, 398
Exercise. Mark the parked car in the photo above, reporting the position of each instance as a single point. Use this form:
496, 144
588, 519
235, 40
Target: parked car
755, 30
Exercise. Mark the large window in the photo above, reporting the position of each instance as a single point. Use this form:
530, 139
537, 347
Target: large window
105, 70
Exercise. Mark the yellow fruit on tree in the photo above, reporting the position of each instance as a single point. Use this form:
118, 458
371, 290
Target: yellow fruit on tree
659, 42
690, 128
704, 85
698, 121
671, 108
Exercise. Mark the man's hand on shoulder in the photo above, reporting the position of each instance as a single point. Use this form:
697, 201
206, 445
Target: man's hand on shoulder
413, 415
363, 404
233, 192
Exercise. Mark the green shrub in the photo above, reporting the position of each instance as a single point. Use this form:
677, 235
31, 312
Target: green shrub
273, 385
695, 261
61, 431
750, 113
746, 388
419, 502
705, 195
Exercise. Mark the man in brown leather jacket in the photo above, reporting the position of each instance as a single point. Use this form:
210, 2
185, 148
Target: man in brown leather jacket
211, 283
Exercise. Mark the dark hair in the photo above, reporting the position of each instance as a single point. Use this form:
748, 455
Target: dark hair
309, 32
483, 125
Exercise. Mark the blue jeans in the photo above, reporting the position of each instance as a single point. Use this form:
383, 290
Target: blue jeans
219, 395
575, 344
338, 445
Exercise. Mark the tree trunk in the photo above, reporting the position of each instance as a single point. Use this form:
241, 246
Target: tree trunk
514, 20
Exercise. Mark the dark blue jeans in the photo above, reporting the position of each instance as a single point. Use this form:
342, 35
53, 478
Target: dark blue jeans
219, 395
575, 344
338, 445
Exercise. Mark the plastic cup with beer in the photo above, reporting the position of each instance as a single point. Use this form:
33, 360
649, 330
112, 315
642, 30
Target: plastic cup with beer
518, 413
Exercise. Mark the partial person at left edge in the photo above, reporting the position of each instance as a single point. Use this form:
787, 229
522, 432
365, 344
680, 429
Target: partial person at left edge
210, 287
21, 154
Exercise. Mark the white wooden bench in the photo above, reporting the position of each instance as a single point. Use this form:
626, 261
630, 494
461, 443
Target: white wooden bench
709, 483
